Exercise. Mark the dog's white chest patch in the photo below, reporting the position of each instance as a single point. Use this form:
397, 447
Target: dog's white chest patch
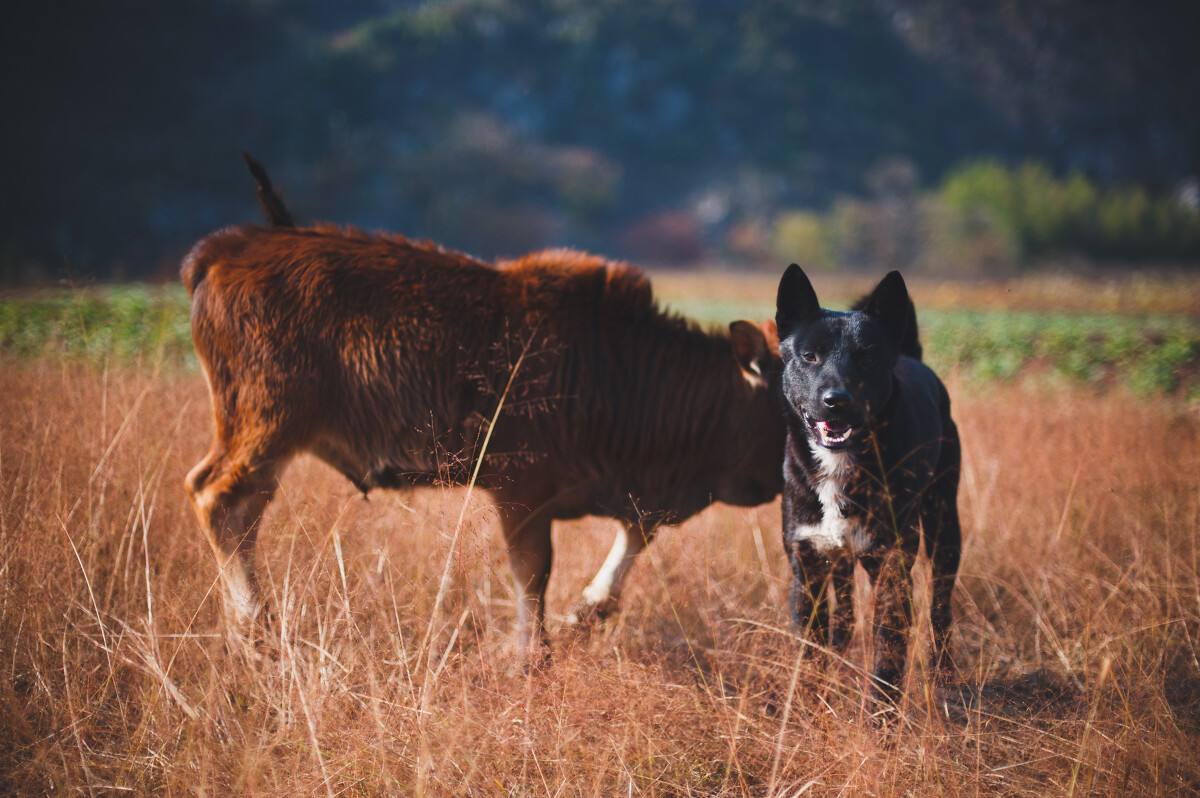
835, 531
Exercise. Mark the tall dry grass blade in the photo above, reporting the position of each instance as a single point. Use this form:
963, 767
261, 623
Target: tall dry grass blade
311, 724
74, 724
424, 651
1105, 667
777, 755
444, 580
87, 581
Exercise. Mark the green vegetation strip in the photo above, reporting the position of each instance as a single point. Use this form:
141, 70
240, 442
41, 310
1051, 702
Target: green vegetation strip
1155, 354
123, 323
1149, 354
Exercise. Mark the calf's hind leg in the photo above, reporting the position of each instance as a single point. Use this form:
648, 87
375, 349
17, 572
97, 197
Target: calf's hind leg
229, 492
530, 553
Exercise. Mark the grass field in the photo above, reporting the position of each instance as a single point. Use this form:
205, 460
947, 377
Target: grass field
1077, 637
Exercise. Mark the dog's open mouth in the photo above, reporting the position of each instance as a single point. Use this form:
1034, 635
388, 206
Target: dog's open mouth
831, 434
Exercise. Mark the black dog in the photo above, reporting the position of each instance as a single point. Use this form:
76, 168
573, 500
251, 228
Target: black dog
871, 454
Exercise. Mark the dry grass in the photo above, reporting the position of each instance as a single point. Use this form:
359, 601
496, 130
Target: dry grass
1077, 633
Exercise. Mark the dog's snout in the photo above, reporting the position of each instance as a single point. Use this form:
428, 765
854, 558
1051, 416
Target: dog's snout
835, 399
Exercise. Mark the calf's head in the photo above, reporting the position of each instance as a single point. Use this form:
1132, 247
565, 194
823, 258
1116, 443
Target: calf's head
752, 473
838, 366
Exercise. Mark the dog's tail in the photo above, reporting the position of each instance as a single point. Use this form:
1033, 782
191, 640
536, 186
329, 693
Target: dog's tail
910, 341
272, 206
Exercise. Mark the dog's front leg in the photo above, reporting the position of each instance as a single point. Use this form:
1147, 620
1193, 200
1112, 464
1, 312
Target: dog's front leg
841, 623
812, 574
891, 576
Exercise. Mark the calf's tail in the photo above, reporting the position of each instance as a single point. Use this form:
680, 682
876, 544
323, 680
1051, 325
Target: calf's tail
272, 206
227, 243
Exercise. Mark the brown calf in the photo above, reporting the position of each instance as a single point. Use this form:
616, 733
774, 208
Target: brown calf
387, 359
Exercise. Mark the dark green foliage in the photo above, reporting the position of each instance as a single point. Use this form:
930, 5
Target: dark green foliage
498, 126
1043, 216
986, 218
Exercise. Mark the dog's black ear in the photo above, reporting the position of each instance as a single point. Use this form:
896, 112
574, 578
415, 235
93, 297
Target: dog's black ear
796, 301
889, 304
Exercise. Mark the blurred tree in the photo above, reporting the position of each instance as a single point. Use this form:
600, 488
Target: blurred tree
459, 119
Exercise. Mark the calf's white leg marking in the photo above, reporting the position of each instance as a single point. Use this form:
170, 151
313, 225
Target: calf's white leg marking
606, 585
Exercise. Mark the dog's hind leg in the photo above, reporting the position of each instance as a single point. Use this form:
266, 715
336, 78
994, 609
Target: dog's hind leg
943, 542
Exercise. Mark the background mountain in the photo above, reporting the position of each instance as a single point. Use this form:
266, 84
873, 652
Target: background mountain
658, 129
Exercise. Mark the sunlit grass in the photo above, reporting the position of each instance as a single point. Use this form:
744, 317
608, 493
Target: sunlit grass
1078, 616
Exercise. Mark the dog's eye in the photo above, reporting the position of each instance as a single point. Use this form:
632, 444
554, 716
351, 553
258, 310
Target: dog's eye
809, 357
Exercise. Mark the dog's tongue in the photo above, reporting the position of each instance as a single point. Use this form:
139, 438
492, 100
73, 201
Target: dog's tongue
832, 433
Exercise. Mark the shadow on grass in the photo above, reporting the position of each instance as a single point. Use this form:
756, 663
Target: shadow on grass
1039, 693
1181, 689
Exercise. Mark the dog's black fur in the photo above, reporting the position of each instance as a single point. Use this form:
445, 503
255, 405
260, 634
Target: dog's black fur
872, 456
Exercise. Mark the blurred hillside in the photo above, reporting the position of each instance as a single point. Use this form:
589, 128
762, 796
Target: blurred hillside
847, 132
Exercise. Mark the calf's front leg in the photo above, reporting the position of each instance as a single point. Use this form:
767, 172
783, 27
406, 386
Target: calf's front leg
603, 594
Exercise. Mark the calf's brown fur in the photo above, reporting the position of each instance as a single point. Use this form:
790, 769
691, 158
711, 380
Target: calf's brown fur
386, 358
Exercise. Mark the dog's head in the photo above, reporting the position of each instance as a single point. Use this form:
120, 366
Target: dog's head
838, 366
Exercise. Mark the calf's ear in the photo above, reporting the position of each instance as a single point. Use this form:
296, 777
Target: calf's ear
889, 305
771, 333
750, 347
796, 301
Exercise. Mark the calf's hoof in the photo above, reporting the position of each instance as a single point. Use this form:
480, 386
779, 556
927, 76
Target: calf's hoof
530, 659
584, 615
